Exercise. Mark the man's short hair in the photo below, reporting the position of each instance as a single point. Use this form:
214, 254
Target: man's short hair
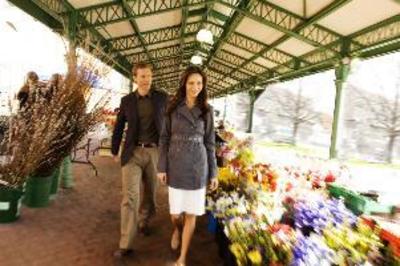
140, 65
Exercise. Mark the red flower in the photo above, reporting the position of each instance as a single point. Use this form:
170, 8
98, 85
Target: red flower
280, 227
316, 184
288, 187
288, 201
329, 178
273, 185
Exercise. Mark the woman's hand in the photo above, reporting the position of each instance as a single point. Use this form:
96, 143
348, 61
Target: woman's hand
162, 177
213, 184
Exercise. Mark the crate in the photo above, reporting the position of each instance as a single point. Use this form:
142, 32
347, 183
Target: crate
364, 205
337, 191
357, 203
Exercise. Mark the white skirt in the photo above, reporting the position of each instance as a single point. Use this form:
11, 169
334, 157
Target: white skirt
188, 201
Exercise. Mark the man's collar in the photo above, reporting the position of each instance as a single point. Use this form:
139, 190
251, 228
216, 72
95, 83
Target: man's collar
148, 95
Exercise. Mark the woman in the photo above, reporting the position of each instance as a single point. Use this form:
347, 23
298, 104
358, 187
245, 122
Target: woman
187, 156
54, 83
31, 82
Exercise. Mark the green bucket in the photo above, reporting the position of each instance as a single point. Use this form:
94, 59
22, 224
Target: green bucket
67, 180
10, 204
55, 183
37, 191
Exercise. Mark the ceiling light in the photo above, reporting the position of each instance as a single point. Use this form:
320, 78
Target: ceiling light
204, 35
196, 60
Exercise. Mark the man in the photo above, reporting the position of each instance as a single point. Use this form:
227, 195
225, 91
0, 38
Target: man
143, 111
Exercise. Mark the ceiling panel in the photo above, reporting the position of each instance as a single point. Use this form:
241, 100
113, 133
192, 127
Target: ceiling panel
258, 31
359, 14
86, 3
295, 47
119, 29
299, 7
265, 62
163, 20
235, 50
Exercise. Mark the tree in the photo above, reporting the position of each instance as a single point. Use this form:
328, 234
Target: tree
384, 115
294, 107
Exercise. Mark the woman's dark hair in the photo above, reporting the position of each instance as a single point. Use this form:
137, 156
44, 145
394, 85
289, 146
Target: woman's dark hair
53, 86
24, 92
180, 95
55, 79
31, 75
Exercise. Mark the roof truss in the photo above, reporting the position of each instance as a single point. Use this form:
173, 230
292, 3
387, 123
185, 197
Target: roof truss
237, 60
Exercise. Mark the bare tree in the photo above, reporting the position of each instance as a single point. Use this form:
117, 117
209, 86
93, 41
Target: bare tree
384, 115
295, 107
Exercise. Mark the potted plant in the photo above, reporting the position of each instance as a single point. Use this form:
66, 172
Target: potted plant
21, 154
69, 120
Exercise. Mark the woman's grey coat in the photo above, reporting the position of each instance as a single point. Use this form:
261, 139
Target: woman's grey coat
187, 148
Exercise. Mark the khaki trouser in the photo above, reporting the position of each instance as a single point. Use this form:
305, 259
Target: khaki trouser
142, 166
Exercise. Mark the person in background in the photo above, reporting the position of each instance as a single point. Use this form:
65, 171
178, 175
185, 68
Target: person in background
52, 86
30, 86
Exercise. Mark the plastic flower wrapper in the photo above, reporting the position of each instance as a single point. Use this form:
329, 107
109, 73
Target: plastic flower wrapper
283, 238
228, 204
318, 214
311, 251
262, 244
239, 230
263, 175
265, 205
227, 135
353, 246
226, 152
313, 179
241, 154
227, 178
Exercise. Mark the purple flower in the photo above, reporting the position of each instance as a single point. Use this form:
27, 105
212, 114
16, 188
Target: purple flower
311, 251
318, 214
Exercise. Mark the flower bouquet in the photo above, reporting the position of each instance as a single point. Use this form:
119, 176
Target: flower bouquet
354, 245
318, 214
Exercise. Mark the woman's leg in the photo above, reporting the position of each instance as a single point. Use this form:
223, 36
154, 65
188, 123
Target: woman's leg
188, 229
177, 224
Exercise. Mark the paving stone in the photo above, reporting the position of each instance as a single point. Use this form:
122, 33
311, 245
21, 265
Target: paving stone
81, 228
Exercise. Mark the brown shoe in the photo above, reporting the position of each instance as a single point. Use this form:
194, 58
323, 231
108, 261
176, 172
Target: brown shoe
120, 253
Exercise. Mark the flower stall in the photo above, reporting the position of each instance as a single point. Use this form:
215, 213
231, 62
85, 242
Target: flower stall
109, 120
268, 215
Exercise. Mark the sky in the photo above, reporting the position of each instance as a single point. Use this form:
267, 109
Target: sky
31, 45
28, 45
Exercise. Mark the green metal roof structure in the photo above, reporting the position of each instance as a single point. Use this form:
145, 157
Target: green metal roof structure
256, 42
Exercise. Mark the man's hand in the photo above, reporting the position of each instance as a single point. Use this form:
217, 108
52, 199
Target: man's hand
115, 158
162, 177
213, 184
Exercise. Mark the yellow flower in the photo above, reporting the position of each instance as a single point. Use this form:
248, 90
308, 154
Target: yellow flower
224, 174
255, 257
238, 251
